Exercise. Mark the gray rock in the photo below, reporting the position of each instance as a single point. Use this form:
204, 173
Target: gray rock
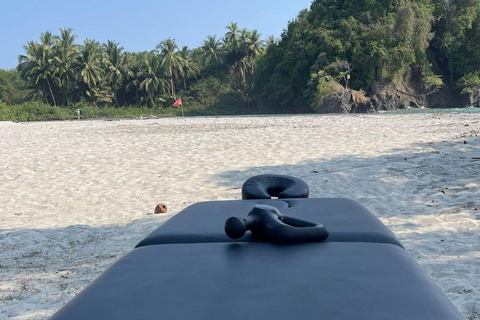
386, 98
447, 97
346, 101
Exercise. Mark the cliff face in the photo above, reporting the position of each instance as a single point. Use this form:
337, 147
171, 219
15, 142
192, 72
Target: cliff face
448, 98
387, 98
346, 101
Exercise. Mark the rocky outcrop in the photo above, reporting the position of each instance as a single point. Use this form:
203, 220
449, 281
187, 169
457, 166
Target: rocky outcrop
345, 101
404, 97
474, 99
389, 97
448, 97
386, 98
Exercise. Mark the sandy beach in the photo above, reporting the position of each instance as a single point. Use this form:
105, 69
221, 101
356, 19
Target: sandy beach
77, 195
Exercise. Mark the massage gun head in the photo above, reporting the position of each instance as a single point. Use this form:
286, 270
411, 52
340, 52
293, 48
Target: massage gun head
235, 228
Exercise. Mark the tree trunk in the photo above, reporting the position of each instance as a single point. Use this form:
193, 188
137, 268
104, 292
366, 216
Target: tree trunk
123, 96
171, 83
51, 92
242, 74
115, 95
45, 96
66, 90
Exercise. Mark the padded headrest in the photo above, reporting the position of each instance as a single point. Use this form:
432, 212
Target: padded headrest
267, 186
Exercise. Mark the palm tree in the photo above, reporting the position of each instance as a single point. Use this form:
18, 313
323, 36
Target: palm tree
47, 41
188, 69
170, 60
117, 66
237, 54
255, 47
138, 68
232, 36
243, 52
89, 62
211, 50
270, 41
35, 66
99, 94
153, 84
90, 71
65, 55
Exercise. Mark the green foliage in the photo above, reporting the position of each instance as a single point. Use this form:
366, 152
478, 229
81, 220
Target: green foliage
325, 86
34, 110
39, 111
362, 44
432, 82
469, 82
417, 43
11, 87
457, 29
230, 103
59, 72
207, 91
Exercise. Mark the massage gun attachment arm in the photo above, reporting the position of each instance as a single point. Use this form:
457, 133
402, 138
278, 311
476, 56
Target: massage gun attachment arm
267, 222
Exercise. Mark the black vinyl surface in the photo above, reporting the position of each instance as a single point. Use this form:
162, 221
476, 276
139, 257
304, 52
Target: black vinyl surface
345, 220
329, 281
265, 186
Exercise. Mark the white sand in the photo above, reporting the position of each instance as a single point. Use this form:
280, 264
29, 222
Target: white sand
76, 196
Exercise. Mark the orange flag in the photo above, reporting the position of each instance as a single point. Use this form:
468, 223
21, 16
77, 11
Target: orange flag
178, 102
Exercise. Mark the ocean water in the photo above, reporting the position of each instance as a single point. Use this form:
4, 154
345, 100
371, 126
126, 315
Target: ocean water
432, 110
394, 112
400, 111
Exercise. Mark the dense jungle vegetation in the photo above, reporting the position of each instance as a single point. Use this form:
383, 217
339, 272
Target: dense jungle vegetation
424, 44
362, 44
58, 72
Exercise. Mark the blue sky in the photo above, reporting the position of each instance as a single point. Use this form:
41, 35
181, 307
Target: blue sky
138, 25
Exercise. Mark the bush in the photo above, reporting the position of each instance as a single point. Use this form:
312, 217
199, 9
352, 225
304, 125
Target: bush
469, 82
209, 97
11, 87
38, 111
31, 111
230, 103
325, 86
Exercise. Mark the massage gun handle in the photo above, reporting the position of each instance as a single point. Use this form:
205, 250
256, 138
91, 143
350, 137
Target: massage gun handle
289, 230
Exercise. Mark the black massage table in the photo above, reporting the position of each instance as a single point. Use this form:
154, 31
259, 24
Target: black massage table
346, 220
190, 269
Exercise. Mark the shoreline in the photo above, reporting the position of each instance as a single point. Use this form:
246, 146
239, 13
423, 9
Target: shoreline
466, 110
